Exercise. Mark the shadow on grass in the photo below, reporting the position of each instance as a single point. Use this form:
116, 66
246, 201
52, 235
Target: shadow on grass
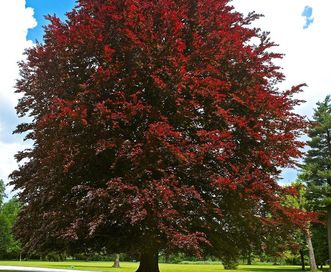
270, 269
278, 269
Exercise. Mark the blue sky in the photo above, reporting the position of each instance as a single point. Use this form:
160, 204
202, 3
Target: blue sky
44, 7
301, 29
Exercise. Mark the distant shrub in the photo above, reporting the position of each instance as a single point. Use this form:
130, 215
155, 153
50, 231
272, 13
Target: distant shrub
55, 257
230, 263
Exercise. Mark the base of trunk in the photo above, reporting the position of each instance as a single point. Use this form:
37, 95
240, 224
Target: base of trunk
117, 261
149, 262
312, 260
249, 260
302, 258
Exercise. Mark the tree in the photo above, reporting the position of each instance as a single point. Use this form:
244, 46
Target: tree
2, 192
320, 240
4, 236
301, 202
4, 224
8, 213
151, 122
117, 261
11, 209
316, 169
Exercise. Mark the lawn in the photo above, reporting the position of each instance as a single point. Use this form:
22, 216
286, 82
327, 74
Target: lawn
131, 267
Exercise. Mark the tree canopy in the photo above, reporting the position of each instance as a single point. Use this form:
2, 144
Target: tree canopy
316, 169
157, 125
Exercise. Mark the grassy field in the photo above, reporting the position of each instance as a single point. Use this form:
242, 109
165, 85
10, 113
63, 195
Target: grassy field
131, 267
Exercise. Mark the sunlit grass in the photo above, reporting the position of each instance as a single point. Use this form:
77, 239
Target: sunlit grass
131, 267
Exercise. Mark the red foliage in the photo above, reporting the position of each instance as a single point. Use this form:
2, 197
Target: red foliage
149, 118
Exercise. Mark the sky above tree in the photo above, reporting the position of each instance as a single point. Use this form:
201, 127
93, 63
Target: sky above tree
299, 27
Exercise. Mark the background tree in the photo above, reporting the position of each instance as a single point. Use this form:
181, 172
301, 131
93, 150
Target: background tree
2, 192
10, 212
316, 169
4, 236
4, 224
300, 201
9, 247
117, 261
320, 241
153, 122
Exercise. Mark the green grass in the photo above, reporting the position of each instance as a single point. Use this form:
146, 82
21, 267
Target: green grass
131, 267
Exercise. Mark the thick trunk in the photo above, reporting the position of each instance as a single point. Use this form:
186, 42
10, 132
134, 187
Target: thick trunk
302, 257
312, 260
329, 234
117, 261
149, 262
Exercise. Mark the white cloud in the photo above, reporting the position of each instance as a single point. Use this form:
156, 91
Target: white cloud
15, 20
7, 162
307, 51
308, 54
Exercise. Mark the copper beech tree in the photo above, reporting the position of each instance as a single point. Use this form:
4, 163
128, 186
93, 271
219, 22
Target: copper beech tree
157, 126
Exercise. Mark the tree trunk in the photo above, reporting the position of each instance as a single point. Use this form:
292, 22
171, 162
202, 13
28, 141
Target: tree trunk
149, 262
302, 257
167, 258
329, 234
249, 258
117, 261
312, 260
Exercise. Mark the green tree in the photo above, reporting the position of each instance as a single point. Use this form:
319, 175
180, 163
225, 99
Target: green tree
316, 170
300, 201
9, 247
4, 223
320, 241
4, 235
9, 213
2, 192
